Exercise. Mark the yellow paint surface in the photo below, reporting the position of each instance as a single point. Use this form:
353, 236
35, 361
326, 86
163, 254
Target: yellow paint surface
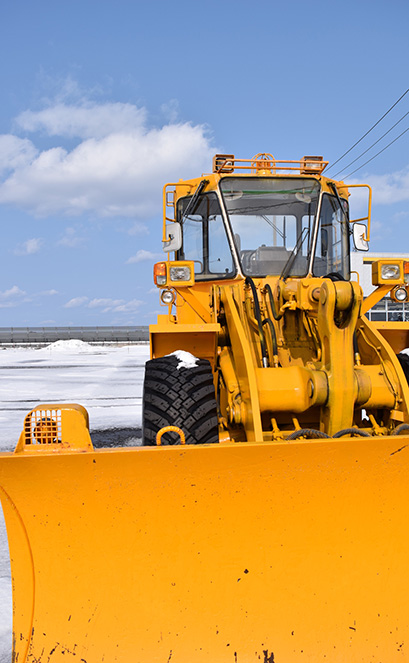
217, 553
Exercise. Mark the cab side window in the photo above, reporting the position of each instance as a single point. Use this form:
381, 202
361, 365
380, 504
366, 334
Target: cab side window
332, 251
204, 238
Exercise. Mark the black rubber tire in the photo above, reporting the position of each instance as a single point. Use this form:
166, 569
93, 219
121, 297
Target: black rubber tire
182, 397
403, 359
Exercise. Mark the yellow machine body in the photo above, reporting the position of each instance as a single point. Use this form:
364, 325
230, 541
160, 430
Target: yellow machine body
285, 542
325, 366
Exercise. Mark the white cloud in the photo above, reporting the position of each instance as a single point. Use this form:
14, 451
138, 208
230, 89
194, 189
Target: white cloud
128, 307
29, 247
386, 189
70, 239
142, 255
15, 152
115, 305
12, 292
170, 110
138, 228
48, 293
76, 301
12, 297
15, 296
117, 168
86, 120
105, 303
390, 188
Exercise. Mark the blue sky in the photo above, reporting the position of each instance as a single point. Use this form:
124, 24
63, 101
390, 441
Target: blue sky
103, 102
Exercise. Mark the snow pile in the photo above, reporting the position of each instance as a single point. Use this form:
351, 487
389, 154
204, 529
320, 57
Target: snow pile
73, 344
186, 360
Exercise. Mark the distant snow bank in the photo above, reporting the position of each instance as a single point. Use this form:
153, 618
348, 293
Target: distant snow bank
69, 346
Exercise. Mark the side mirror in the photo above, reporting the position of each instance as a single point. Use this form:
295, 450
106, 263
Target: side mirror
359, 234
173, 240
355, 201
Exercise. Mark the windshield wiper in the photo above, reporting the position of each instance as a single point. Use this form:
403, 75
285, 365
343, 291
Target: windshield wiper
294, 254
273, 226
191, 206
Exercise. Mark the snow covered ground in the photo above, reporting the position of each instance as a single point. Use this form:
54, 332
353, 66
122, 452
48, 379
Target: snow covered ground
107, 380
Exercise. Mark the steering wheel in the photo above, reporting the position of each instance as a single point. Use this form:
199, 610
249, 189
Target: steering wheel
334, 276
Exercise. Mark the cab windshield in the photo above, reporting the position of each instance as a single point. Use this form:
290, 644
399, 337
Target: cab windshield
273, 222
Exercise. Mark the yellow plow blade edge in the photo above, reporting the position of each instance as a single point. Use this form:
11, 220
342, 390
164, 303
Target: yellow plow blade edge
284, 552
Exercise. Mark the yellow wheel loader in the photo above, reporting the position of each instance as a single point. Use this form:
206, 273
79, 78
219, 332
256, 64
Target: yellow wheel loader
266, 515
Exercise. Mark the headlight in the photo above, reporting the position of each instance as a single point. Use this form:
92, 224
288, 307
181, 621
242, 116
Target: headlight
167, 297
390, 272
400, 294
180, 273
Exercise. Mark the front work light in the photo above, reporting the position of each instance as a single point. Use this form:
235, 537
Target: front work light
387, 272
167, 297
399, 294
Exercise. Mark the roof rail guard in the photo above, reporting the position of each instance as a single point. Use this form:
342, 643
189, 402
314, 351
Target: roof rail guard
266, 164
55, 427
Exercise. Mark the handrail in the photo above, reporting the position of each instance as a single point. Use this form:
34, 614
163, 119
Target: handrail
268, 164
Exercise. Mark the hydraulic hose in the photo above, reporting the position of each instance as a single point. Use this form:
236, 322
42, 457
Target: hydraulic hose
276, 316
309, 433
400, 429
351, 432
250, 282
269, 322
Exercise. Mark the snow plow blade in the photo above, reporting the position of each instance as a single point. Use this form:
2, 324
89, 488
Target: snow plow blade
284, 552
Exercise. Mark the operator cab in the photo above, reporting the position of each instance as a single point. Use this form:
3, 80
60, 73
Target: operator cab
265, 226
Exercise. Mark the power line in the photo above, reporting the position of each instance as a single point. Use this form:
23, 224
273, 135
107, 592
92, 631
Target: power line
373, 145
369, 130
377, 154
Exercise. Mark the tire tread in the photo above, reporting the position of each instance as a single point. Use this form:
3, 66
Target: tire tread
182, 397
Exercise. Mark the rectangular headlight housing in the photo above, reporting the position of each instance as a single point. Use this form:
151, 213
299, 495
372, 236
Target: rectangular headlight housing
388, 272
176, 273
180, 273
